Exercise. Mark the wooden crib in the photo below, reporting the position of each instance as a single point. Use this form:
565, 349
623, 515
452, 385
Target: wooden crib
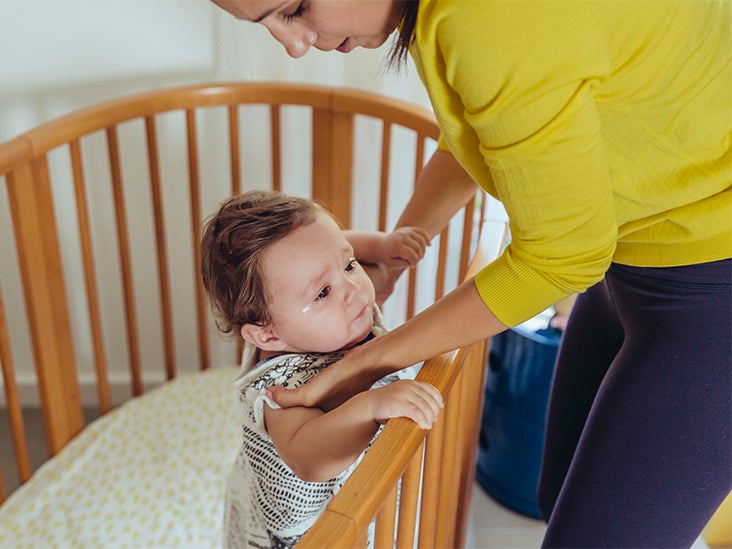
104, 208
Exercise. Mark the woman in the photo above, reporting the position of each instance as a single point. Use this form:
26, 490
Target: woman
604, 128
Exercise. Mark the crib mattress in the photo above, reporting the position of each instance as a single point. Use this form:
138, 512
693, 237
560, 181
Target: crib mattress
148, 474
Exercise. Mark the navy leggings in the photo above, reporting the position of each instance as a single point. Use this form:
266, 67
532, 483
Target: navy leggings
639, 428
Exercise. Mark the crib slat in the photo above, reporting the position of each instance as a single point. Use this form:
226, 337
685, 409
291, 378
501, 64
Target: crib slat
234, 149
441, 263
194, 188
411, 292
333, 161
342, 167
90, 278
408, 502
384, 179
31, 205
125, 261
363, 541
386, 521
234, 156
276, 146
471, 408
470, 423
412, 276
431, 483
450, 456
467, 238
161, 247
419, 155
12, 402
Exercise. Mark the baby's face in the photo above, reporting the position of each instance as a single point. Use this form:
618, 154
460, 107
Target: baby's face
320, 298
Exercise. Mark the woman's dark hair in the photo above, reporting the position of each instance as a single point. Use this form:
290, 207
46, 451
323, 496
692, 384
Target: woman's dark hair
233, 241
400, 48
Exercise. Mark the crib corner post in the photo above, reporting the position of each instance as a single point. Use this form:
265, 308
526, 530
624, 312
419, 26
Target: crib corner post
31, 205
333, 161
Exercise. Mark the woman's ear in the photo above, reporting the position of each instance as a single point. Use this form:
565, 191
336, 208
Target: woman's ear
263, 337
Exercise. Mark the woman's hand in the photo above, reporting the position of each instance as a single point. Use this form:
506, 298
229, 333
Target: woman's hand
332, 386
383, 278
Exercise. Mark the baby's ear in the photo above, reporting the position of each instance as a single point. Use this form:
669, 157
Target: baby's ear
263, 337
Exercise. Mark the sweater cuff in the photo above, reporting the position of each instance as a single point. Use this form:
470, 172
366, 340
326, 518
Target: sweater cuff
514, 292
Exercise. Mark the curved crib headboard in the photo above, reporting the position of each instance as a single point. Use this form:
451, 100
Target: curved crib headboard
105, 209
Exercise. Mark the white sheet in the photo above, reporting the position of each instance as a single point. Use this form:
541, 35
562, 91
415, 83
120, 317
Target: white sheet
148, 474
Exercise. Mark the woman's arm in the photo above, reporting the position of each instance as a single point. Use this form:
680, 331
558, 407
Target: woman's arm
317, 445
460, 318
442, 189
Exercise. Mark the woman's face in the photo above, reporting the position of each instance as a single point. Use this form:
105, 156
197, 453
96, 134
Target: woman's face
326, 24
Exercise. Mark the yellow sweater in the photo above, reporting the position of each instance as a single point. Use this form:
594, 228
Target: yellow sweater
604, 127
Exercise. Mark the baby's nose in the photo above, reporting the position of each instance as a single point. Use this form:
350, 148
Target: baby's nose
352, 290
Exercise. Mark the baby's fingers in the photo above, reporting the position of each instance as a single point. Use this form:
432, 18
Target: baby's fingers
432, 396
412, 243
409, 253
427, 402
422, 236
418, 242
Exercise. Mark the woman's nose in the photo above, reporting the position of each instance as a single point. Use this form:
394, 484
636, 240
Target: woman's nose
296, 42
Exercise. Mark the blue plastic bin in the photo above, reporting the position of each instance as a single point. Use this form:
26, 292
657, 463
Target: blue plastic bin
520, 369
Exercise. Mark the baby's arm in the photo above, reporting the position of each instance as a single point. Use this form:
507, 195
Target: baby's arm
317, 445
401, 248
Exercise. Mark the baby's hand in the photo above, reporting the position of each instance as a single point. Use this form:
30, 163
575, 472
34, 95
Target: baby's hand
415, 400
403, 247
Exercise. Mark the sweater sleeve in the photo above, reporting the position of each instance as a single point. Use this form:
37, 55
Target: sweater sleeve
526, 127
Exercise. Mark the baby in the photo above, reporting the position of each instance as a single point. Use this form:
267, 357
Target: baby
285, 278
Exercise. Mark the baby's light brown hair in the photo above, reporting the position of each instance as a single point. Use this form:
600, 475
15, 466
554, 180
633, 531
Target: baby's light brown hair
233, 242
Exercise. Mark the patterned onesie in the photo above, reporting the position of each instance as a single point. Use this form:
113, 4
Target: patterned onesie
267, 505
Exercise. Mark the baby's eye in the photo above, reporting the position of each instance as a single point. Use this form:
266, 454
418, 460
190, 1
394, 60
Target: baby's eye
323, 293
352, 264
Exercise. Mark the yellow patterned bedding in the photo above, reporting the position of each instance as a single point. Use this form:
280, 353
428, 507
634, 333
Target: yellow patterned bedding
149, 474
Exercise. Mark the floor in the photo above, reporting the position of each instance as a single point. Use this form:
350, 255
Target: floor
492, 525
